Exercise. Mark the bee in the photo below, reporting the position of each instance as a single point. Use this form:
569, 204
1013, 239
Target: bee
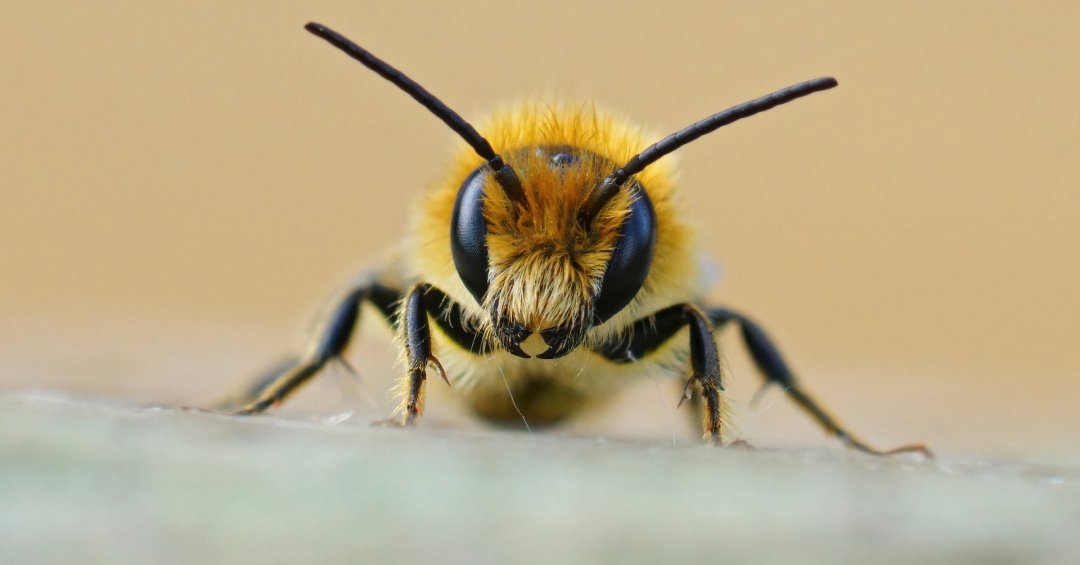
548, 270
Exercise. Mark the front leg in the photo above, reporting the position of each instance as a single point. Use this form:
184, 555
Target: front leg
705, 369
417, 339
650, 333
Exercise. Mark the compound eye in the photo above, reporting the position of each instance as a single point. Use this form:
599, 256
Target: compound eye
631, 259
468, 235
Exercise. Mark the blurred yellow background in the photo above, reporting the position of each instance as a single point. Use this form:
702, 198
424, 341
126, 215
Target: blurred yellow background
182, 183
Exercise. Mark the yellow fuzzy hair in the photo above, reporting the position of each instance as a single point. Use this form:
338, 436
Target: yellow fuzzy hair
544, 264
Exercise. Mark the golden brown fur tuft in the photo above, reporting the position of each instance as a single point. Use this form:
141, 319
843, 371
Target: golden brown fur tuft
547, 267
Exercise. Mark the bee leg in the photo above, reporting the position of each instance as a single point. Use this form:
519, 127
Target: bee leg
287, 377
705, 370
776, 371
652, 332
234, 403
418, 354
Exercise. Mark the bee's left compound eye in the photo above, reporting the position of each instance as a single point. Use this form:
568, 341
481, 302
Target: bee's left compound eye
468, 235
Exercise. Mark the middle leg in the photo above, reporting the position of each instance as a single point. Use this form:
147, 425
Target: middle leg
775, 369
335, 334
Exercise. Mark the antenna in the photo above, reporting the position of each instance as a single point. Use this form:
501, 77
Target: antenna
504, 175
610, 186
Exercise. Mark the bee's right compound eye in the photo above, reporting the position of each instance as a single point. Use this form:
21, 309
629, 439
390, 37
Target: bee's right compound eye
631, 259
468, 235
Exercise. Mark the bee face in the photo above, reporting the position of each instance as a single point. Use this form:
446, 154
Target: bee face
533, 264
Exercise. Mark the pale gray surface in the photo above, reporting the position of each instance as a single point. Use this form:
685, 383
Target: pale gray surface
86, 481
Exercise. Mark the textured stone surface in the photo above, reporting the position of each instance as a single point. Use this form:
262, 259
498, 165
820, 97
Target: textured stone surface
87, 481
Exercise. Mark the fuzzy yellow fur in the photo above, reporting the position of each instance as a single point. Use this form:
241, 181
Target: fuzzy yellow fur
545, 266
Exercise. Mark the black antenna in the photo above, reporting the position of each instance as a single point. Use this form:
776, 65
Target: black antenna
504, 175
610, 185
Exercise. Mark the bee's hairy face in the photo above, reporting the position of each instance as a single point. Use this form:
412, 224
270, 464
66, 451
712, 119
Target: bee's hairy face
538, 268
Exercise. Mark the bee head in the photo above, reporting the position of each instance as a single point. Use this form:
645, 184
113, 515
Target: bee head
536, 261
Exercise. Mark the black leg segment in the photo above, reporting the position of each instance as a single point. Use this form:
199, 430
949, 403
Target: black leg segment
775, 369
286, 378
705, 369
652, 332
417, 351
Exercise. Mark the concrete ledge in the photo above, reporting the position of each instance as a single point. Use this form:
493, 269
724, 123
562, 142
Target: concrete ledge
90, 482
